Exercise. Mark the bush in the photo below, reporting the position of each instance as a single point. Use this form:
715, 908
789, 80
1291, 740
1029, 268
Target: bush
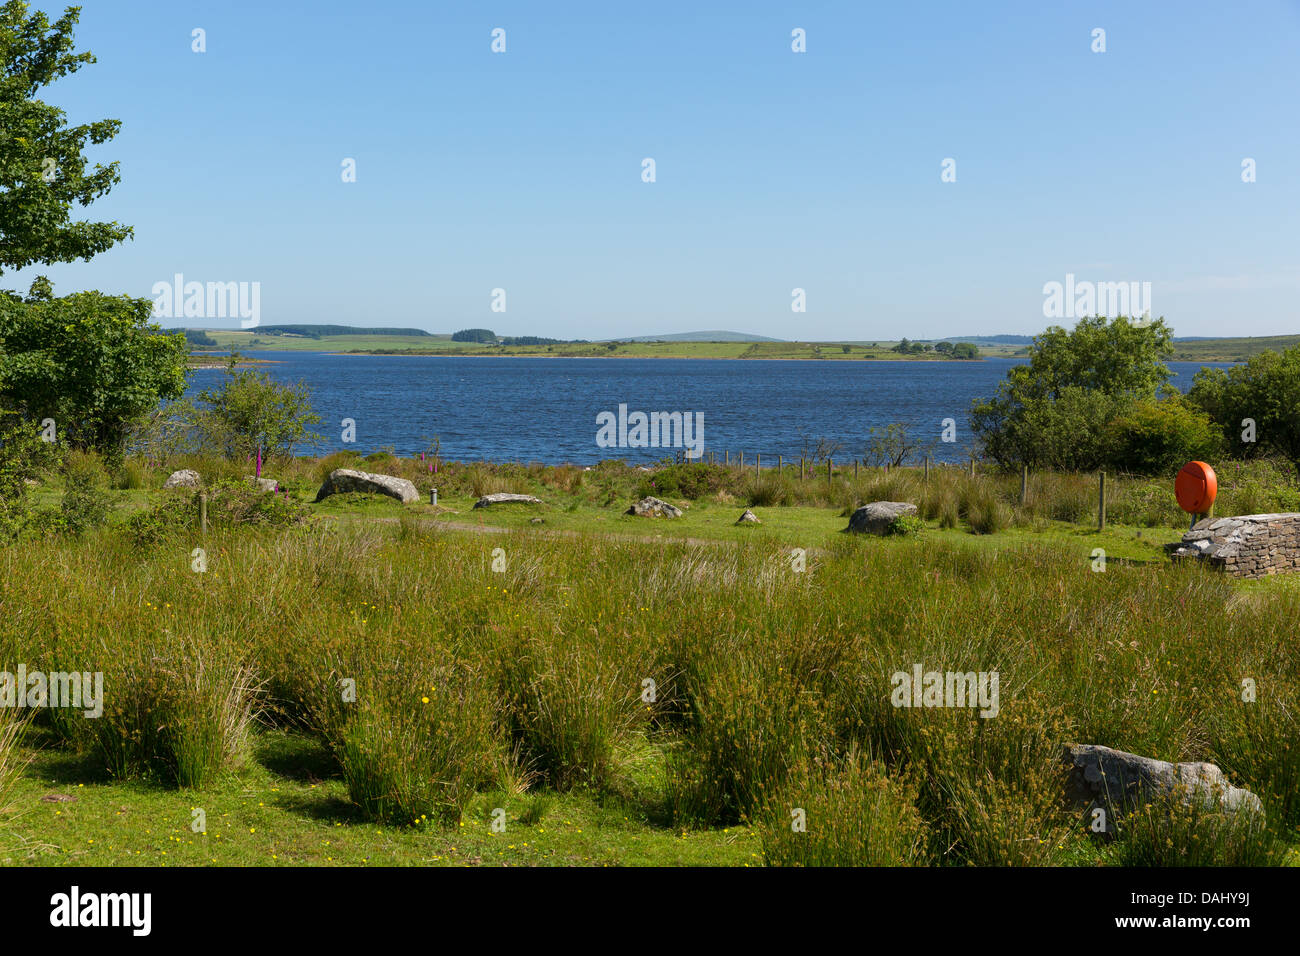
231, 504
1266, 389
1158, 438
691, 481
906, 526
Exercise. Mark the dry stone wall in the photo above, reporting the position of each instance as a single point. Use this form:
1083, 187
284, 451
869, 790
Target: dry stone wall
1249, 546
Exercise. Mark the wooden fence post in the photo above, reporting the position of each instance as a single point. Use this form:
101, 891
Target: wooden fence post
1101, 503
927, 468
1024, 485
758, 465
203, 511
830, 467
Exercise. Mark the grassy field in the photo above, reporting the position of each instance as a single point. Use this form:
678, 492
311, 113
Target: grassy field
1208, 350
601, 689
442, 345
1232, 349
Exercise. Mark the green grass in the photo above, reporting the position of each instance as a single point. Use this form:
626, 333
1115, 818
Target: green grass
1232, 349
1227, 349
771, 684
290, 808
443, 345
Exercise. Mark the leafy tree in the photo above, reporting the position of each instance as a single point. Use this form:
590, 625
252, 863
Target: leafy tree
480, 336
93, 363
42, 170
964, 350
197, 337
893, 445
250, 411
1092, 373
1266, 389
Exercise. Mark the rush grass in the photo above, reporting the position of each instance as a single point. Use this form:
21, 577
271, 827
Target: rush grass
704, 687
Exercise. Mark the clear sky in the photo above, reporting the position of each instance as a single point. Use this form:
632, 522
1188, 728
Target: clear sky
774, 170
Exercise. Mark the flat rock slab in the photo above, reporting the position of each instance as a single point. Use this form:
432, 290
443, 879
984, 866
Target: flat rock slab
654, 508
263, 484
505, 498
878, 517
345, 479
1120, 782
185, 478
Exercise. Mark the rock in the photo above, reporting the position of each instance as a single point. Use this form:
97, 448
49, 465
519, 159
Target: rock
505, 498
185, 478
537, 521
748, 518
1120, 782
654, 508
263, 484
878, 517
345, 479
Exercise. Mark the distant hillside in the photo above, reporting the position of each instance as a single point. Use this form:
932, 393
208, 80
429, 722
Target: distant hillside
1230, 349
986, 339
317, 331
717, 336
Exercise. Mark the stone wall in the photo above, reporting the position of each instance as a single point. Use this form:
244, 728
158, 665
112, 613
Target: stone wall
1249, 546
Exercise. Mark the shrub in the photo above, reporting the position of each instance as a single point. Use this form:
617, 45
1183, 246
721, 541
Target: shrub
691, 481
1158, 438
84, 507
906, 525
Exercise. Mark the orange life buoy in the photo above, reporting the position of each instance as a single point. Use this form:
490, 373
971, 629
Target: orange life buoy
1195, 487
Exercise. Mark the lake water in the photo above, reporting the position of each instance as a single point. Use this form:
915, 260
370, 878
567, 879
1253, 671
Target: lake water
534, 409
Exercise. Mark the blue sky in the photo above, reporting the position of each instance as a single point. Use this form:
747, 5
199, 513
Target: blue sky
775, 170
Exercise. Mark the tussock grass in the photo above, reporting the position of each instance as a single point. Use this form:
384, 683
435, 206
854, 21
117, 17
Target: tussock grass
758, 673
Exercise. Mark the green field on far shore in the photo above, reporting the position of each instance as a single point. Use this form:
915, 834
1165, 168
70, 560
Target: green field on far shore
1207, 350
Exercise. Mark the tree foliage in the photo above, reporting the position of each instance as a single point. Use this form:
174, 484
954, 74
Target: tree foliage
1053, 411
93, 363
249, 411
1265, 390
481, 336
43, 173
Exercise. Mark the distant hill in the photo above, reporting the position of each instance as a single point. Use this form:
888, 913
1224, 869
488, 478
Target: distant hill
986, 339
317, 331
717, 336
